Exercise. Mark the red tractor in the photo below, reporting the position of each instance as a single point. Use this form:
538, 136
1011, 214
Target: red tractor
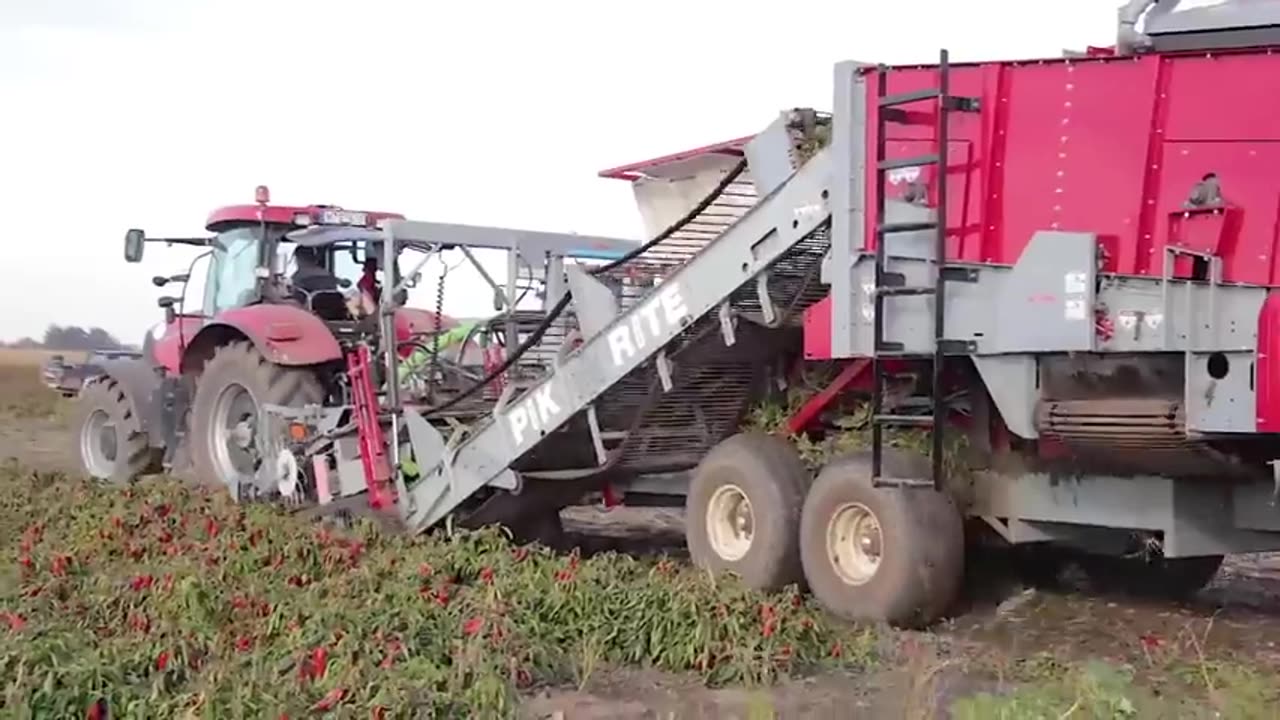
260, 337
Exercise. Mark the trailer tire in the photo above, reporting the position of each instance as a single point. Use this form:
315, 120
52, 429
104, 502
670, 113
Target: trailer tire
762, 476
109, 439
906, 571
236, 367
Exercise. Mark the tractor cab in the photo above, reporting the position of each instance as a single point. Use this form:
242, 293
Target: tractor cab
249, 252
252, 261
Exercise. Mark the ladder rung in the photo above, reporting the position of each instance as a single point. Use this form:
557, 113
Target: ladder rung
898, 227
890, 482
904, 420
908, 117
891, 290
962, 104
908, 97
917, 161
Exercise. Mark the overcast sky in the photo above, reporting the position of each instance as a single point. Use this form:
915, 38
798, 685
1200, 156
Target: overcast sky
149, 113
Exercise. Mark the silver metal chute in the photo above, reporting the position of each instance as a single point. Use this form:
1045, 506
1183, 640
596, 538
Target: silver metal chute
1172, 25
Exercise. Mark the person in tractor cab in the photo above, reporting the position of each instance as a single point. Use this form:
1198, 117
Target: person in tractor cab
364, 301
311, 274
316, 287
368, 283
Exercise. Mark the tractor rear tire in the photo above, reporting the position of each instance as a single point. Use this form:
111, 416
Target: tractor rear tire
109, 439
236, 367
892, 555
756, 480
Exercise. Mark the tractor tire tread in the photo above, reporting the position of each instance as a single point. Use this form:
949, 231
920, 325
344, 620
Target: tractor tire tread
241, 362
768, 467
135, 456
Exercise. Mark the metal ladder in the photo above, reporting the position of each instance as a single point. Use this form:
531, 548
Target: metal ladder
889, 110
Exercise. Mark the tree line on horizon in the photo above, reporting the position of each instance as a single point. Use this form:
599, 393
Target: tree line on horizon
69, 337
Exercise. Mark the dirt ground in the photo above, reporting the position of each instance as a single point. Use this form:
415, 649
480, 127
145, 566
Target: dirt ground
1001, 629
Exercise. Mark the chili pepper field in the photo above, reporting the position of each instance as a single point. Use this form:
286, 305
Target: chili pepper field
164, 599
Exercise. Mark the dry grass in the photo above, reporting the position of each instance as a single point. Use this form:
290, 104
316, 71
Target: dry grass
11, 357
22, 394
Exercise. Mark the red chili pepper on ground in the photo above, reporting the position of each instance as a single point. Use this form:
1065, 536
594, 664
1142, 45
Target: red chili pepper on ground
330, 700
486, 575
60, 565
473, 626
162, 661
319, 662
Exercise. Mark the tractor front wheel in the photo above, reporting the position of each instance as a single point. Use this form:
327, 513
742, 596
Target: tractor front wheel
227, 412
742, 513
881, 554
109, 438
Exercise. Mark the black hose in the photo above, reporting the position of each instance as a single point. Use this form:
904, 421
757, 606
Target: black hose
559, 307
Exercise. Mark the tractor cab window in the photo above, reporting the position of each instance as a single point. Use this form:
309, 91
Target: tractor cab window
347, 262
232, 270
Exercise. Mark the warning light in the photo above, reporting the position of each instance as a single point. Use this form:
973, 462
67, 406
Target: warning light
261, 195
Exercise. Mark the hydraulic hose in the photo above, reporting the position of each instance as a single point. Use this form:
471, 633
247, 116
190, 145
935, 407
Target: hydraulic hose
563, 302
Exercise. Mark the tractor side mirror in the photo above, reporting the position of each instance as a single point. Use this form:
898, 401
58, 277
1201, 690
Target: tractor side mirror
167, 303
162, 280
413, 280
134, 240
344, 283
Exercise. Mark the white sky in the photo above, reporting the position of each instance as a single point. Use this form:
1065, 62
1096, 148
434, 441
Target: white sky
149, 113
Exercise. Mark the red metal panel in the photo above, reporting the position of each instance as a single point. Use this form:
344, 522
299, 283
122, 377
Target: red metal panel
1250, 185
275, 215
817, 330
634, 171
284, 334
177, 335
1267, 372
1075, 149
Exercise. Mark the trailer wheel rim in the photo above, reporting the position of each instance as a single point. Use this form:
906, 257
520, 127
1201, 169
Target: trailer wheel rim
855, 543
234, 430
98, 444
730, 522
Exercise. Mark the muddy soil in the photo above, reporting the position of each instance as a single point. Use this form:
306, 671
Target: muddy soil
1000, 622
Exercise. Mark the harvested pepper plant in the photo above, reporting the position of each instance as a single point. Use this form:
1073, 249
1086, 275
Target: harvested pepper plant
163, 600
